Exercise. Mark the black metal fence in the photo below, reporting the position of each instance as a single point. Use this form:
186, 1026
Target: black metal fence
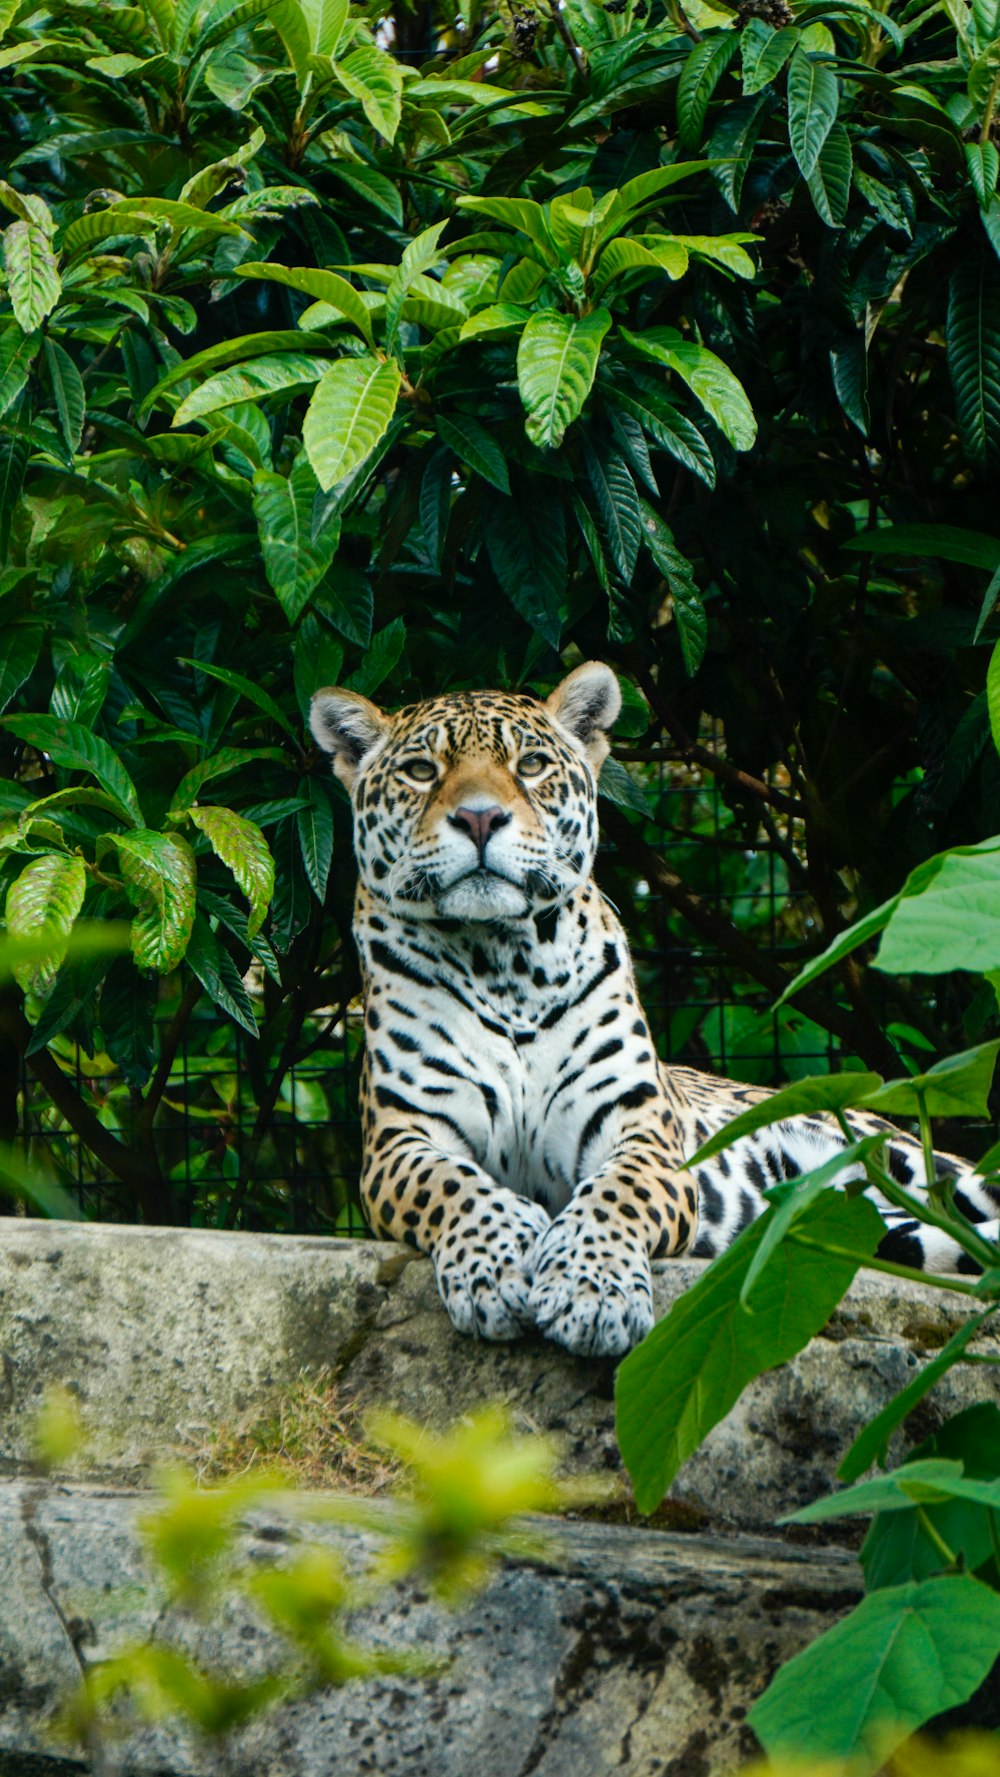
298, 1174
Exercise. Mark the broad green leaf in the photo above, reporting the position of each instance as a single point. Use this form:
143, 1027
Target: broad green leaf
233, 351
993, 694
418, 257
280, 373
667, 429
227, 759
830, 180
954, 923
158, 871
295, 559
318, 660
973, 343
912, 1484
813, 99
20, 646
239, 682
372, 77
219, 976
666, 260
530, 561
617, 506
17, 354
520, 213
348, 414
897, 1547
689, 609
983, 162
946, 541
68, 393
792, 1207
694, 1365
178, 216
385, 650
702, 71
74, 747
726, 250
556, 364
323, 286
765, 52
315, 824
642, 193
872, 1442
959, 1086
44, 901
127, 1008
242, 847
472, 444
620, 787
20, 1179
714, 384
500, 317
370, 185
822, 1092
32, 273
903, 1656
733, 142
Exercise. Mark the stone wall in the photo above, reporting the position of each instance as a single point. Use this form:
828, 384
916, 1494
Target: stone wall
629, 1649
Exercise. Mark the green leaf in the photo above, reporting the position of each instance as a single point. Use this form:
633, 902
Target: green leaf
219, 976
765, 52
983, 162
694, 1365
959, 1086
871, 1444
282, 373
726, 250
74, 747
520, 213
556, 364
530, 561
813, 99
243, 849
689, 608
158, 871
913, 1484
666, 260
348, 415
227, 759
897, 1547
233, 351
714, 384
700, 75
418, 257
472, 444
68, 393
372, 77
17, 354
620, 787
821, 1092
642, 193
499, 317
903, 1656
316, 835
830, 180
179, 216
617, 506
792, 1207
294, 559
20, 646
972, 337
318, 660
668, 430
45, 899
370, 186
954, 923
381, 657
323, 286
946, 541
247, 688
32, 273
127, 1007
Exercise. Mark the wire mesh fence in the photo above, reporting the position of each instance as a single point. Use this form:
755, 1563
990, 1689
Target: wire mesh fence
295, 1169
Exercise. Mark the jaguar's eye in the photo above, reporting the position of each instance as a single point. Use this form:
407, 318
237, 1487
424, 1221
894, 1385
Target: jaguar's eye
422, 771
533, 764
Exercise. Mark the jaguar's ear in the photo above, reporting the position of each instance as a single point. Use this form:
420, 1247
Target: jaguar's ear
587, 704
348, 726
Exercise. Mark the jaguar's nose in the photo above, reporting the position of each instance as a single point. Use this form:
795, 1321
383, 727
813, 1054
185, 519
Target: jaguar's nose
480, 823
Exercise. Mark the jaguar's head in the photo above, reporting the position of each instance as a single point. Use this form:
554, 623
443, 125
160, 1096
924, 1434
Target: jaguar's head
480, 806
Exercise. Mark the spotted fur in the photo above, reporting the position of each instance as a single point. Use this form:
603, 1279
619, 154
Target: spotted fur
518, 1125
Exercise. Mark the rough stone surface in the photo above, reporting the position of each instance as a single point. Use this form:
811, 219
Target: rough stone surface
627, 1651
166, 1334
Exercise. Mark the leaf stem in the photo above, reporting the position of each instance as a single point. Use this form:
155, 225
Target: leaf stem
957, 1286
931, 1531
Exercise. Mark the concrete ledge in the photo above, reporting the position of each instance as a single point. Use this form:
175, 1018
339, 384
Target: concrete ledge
166, 1334
628, 1651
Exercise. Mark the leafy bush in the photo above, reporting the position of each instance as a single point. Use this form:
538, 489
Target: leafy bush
414, 351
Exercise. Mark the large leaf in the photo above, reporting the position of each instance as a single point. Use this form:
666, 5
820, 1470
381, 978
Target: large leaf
954, 923
764, 53
667, 429
247, 688
830, 180
472, 444
232, 351
820, 1093
20, 646
68, 393
946, 541
322, 286
348, 415
718, 390
372, 77
226, 760
813, 98
242, 847
959, 1086
530, 562
32, 273
973, 342
617, 506
556, 364
700, 76
689, 609
74, 747
315, 823
219, 976
280, 373
158, 871
44, 901
694, 1365
905, 1655
295, 559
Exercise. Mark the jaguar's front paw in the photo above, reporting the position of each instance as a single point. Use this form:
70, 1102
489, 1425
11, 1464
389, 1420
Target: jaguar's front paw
480, 1267
591, 1287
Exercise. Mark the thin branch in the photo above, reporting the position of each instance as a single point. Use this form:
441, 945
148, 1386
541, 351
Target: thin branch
694, 753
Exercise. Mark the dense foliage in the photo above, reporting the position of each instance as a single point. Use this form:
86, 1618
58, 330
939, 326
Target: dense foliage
425, 351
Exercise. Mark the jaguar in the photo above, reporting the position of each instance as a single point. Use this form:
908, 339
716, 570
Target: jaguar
518, 1124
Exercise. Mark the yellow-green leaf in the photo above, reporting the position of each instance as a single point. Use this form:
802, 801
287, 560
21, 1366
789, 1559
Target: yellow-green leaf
348, 414
46, 897
556, 363
244, 850
158, 870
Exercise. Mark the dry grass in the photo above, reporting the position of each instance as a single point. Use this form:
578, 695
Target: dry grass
310, 1440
